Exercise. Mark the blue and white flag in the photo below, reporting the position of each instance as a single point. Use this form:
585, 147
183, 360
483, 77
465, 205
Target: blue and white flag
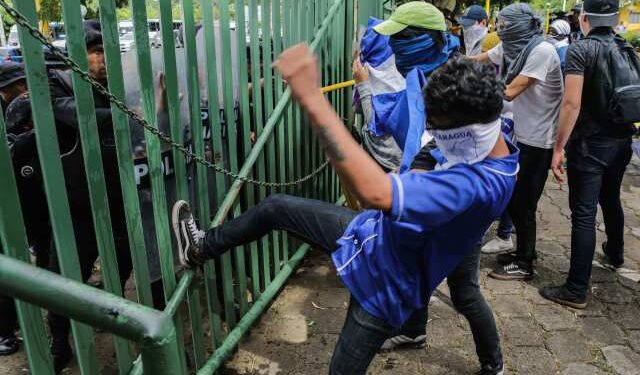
387, 84
397, 101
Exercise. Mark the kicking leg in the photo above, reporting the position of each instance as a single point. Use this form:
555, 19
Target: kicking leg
316, 222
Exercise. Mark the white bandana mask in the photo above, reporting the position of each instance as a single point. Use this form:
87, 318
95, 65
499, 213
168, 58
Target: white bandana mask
473, 36
469, 144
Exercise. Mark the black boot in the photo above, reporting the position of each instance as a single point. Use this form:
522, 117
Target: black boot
8, 344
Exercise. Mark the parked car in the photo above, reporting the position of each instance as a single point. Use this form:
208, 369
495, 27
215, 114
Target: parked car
10, 54
127, 42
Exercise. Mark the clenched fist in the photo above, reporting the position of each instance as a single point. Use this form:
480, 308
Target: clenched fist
299, 67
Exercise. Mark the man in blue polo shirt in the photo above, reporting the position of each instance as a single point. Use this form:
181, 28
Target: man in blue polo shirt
418, 227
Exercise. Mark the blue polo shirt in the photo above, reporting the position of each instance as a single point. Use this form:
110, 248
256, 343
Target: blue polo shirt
392, 262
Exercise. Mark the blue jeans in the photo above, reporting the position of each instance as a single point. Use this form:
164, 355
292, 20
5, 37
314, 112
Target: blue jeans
321, 224
595, 168
505, 226
363, 334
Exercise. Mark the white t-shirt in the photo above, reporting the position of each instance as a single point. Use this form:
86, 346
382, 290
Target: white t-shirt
536, 110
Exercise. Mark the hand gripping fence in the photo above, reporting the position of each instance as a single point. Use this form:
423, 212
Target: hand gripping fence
189, 155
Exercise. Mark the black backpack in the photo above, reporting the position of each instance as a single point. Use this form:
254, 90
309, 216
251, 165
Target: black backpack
617, 74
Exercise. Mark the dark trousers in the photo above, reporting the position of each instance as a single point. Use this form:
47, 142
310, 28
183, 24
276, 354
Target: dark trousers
86, 245
8, 317
321, 224
534, 170
505, 226
363, 334
595, 168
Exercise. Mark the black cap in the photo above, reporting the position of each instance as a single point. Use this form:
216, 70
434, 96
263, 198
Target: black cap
92, 32
601, 12
52, 61
10, 73
18, 113
473, 14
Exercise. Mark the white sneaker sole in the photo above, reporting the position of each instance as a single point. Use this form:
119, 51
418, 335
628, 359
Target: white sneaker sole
499, 250
175, 223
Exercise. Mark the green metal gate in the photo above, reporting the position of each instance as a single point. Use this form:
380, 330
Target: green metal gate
284, 149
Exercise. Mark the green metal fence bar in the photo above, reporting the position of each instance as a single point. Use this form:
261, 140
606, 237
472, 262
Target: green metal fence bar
257, 101
173, 95
14, 244
53, 177
280, 145
153, 329
210, 276
243, 94
163, 237
202, 190
232, 151
289, 126
122, 134
297, 37
267, 50
86, 115
258, 122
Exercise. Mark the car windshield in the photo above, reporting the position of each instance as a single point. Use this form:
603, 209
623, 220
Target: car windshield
127, 37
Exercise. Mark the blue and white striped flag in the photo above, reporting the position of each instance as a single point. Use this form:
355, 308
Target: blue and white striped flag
397, 102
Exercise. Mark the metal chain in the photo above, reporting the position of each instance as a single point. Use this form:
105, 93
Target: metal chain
22, 21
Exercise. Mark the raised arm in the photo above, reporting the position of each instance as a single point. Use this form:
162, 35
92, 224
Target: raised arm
357, 170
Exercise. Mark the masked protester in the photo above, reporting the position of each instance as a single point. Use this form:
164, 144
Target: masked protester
596, 126
395, 58
474, 29
560, 37
530, 67
392, 256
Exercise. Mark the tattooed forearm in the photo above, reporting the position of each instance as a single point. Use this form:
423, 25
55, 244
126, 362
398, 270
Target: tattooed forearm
329, 144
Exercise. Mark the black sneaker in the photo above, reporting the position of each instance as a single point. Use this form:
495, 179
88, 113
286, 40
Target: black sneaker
561, 295
188, 236
513, 271
8, 345
608, 262
506, 258
491, 370
416, 342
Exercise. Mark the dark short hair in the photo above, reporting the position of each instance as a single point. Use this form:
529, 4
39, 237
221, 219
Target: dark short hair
463, 92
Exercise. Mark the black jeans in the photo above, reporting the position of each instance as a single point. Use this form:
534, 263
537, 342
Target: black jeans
321, 224
363, 334
86, 244
534, 170
595, 168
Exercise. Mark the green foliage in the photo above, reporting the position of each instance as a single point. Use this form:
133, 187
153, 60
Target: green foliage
50, 10
554, 5
633, 37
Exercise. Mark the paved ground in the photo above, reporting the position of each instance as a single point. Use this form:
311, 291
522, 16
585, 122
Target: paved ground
298, 333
